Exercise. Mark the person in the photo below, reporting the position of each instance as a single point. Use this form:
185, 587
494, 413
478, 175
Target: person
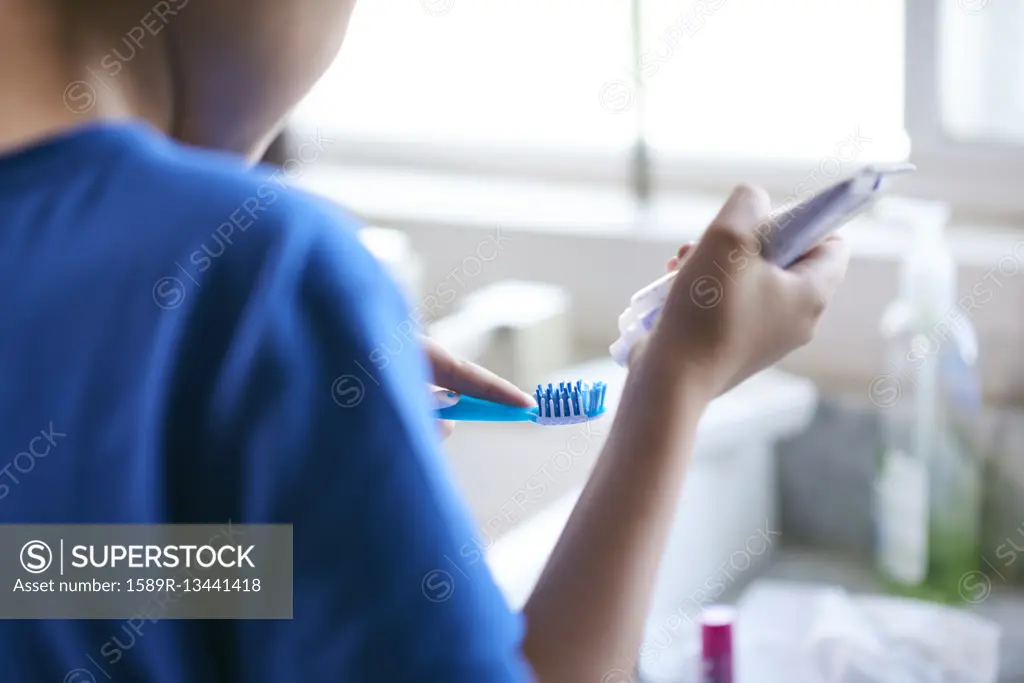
175, 325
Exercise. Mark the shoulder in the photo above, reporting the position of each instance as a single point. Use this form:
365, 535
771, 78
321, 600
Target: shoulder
214, 196
218, 225
270, 284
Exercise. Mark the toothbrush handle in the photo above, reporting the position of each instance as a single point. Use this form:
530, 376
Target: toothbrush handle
470, 409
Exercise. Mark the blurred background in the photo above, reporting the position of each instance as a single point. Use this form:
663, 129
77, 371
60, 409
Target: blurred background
526, 166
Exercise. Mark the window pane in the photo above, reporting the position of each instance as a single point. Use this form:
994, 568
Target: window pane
787, 79
496, 71
982, 69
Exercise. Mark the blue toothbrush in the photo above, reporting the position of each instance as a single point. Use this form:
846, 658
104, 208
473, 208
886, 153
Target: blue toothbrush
562, 405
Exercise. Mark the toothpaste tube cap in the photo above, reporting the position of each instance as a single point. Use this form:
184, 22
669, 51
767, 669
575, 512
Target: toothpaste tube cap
619, 351
622, 346
626, 319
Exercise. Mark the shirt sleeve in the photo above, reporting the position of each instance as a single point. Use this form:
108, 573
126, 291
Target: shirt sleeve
338, 440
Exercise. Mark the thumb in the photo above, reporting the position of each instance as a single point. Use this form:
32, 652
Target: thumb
446, 427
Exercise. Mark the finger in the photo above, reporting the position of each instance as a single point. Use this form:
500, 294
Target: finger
446, 427
471, 379
684, 250
741, 216
820, 271
675, 261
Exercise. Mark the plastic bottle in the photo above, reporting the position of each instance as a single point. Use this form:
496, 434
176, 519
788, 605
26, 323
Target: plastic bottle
927, 489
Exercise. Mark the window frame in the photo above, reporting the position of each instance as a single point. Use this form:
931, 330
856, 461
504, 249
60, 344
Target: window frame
985, 183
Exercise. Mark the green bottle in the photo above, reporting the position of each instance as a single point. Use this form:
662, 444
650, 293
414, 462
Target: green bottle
928, 483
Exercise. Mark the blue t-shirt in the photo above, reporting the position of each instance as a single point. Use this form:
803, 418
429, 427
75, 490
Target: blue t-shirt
183, 340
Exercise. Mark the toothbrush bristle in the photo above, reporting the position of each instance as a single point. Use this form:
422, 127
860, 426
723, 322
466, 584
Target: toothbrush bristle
569, 402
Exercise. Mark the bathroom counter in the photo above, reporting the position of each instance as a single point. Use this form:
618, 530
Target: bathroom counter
1002, 604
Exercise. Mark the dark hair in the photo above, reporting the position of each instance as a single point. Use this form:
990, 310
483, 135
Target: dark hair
280, 150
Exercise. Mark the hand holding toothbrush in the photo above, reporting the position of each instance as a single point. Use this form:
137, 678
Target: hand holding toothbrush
469, 379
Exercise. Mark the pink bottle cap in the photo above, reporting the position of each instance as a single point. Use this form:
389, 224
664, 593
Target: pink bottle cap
716, 631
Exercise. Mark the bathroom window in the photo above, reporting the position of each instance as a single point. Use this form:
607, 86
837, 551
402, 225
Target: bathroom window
748, 79
716, 89
981, 71
490, 73
965, 105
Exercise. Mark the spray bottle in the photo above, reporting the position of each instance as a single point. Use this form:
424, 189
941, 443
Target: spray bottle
927, 487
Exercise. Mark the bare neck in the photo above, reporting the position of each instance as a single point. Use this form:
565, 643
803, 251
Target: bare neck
57, 74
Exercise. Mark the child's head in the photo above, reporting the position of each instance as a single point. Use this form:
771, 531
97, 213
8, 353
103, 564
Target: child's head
215, 73
240, 65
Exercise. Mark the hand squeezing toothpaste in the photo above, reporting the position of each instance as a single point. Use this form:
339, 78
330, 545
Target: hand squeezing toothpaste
784, 237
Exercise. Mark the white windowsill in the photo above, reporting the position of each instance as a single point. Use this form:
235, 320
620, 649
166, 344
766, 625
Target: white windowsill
399, 197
